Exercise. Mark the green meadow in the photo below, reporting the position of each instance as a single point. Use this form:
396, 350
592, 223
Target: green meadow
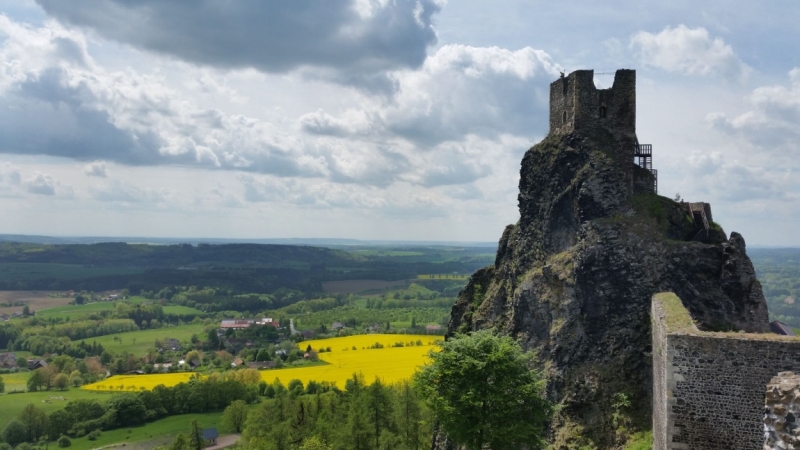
15, 381
138, 342
48, 401
76, 311
159, 432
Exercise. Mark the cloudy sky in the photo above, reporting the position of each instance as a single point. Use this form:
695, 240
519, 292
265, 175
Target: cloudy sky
374, 119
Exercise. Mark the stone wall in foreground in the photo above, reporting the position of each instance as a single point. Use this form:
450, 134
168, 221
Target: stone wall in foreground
782, 413
708, 388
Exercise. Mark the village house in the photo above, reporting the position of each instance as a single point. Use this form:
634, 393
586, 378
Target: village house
5, 317
173, 344
34, 364
8, 360
237, 362
238, 324
210, 436
433, 328
336, 326
258, 365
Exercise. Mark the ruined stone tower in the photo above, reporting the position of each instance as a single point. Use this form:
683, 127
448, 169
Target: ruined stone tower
577, 105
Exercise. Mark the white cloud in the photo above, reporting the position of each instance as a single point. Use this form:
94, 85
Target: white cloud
364, 36
689, 51
96, 169
123, 192
735, 182
773, 123
44, 184
10, 179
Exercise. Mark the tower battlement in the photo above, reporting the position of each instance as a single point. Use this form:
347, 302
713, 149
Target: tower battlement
576, 105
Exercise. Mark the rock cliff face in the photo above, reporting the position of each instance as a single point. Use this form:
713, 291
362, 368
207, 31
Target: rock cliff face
573, 280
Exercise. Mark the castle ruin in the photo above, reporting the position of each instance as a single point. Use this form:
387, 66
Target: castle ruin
576, 105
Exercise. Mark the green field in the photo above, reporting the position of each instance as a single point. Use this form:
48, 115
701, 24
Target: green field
16, 271
138, 342
159, 432
12, 404
178, 310
75, 311
49, 401
15, 381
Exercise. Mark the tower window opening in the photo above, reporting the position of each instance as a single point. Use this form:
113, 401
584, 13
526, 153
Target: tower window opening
564, 87
564, 117
603, 111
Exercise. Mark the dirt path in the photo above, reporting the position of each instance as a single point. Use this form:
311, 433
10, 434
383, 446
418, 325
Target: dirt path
225, 441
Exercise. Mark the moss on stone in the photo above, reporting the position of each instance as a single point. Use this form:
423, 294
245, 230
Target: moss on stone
677, 318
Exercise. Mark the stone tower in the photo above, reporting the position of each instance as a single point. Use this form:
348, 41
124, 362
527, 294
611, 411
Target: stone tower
576, 105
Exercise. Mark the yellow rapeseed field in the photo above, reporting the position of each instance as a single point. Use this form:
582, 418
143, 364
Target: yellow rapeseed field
122, 383
390, 364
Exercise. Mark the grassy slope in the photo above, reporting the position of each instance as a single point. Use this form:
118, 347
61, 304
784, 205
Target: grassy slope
15, 381
181, 310
163, 430
76, 311
146, 338
12, 404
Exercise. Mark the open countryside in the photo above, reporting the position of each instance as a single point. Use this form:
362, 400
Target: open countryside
397, 360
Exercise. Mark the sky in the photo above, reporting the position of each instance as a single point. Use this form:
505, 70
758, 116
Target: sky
375, 119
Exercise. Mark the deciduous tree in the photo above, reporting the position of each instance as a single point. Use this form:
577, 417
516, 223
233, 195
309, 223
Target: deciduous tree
483, 393
235, 415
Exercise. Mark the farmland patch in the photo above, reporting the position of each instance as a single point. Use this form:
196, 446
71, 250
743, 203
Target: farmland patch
356, 286
37, 300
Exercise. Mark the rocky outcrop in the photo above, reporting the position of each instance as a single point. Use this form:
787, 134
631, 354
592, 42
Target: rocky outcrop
573, 279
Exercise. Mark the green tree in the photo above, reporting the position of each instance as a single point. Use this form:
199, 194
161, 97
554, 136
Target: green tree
75, 378
235, 415
196, 441
64, 441
409, 417
358, 426
314, 443
60, 422
180, 442
61, 381
130, 409
15, 433
379, 406
482, 392
35, 422
35, 380
2, 385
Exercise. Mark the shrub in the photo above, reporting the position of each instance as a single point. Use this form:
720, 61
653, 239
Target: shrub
64, 441
93, 435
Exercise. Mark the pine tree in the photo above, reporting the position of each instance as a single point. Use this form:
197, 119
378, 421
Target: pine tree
379, 404
196, 441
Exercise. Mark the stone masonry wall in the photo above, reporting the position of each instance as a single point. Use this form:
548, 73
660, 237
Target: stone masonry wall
708, 388
781, 424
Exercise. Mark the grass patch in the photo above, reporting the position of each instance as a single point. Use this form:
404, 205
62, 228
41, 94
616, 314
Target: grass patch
76, 311
15, 381
163, 430
48, 401
137, 342
640, 441
676, 318
178, 310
